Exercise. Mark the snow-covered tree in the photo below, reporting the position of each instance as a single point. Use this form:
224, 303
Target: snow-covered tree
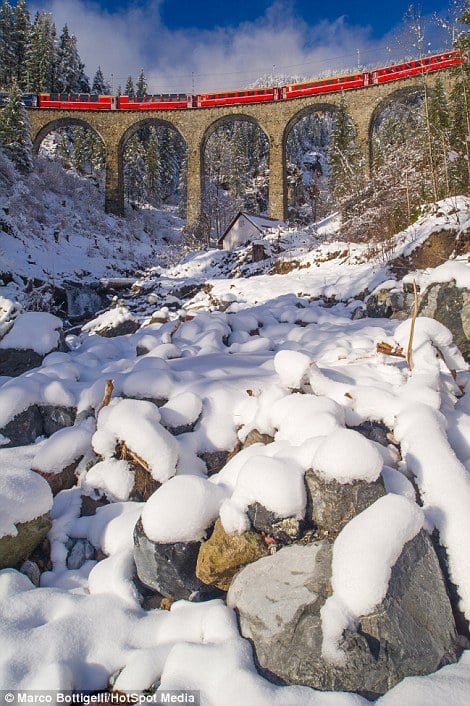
41, 61
69, 73
346, 162
15, 130
99, 85
134, 169
7, 44
22, 29
151, 179
141, 85
129, 90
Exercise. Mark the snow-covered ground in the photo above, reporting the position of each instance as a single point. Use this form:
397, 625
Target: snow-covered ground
234, 358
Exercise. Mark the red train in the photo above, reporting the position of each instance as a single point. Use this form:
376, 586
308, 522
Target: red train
172, 101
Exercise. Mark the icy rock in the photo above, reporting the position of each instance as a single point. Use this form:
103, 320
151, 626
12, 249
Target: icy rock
81, 552
167, 568
32, 571
411, 632
223, 554
115, 322
331, 504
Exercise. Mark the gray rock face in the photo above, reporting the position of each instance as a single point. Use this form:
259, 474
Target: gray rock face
450, 305
55, 418
37, 421
81, 552
121, 329
30, 534
16, 362
264, 520
410, 633
24, 428
330, 505
167, 568
388, 303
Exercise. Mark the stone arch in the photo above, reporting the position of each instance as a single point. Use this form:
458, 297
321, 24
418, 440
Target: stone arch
219, 221
400, 95
296, 119
139, 125
134, 129
308, 110
59, 123
230, 118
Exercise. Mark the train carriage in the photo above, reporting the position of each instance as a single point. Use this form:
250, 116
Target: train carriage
252, 95
162, 101
327, 85
74, 101
417, 67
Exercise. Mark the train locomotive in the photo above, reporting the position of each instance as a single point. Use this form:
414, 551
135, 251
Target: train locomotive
183, 101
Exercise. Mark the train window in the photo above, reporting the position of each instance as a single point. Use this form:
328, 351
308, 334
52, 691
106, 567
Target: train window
94, 98
74, 96
54, 96
64, 96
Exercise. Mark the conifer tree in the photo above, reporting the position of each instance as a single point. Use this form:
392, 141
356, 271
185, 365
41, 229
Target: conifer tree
22, 29
152, 172
41, 60
99, 85
15, 130
141, 85
345, 159
7, 46
134, 169
129, 90
69, 74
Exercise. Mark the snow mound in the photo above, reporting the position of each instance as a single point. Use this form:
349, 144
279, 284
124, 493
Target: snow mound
346, 456
364, 554
182, 509
137, 424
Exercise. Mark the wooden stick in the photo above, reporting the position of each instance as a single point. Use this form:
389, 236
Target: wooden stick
409, 352
108, 391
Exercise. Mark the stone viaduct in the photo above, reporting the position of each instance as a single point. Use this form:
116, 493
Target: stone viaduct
196, 126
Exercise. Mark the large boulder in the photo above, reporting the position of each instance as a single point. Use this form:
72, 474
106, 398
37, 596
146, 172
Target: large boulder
25, 503
168, 568
37, 420
24, 346
331, 505
223, 554
30, 534
279, 599
450, 305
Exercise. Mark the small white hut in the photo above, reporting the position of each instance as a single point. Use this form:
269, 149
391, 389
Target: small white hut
244, 228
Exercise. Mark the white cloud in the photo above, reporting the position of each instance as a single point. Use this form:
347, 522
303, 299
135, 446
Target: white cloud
123, 43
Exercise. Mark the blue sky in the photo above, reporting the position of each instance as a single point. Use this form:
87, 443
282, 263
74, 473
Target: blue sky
191, 45
381, 16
